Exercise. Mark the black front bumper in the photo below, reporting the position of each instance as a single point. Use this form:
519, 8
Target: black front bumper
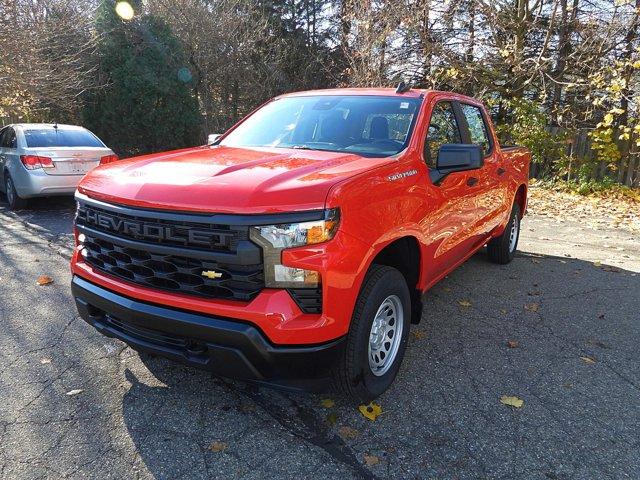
227, 347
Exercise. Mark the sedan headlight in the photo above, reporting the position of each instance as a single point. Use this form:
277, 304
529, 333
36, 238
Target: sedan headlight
275, 238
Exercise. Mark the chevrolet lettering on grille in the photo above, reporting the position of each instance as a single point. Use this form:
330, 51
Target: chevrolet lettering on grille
155, 232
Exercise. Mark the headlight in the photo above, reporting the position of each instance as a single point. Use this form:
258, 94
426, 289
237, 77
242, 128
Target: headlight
298, 234
275, 238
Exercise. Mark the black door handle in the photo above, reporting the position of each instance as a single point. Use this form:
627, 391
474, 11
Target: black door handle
501, 171
472, 181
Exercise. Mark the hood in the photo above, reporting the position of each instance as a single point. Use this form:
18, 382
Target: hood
226, 179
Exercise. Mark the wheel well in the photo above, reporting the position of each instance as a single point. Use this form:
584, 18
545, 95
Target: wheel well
521, 198
404, 255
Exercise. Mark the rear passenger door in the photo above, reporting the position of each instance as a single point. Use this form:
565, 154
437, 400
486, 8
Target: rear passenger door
492, 189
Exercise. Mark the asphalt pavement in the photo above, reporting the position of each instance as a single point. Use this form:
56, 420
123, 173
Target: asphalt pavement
558, 328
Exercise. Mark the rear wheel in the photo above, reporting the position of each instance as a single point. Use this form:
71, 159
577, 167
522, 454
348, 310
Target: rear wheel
377, 337
502, 249
13, 199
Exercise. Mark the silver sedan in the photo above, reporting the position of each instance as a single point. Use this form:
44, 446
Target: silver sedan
39, 160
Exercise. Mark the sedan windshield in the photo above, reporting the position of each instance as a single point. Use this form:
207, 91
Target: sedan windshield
371, 126
61, 137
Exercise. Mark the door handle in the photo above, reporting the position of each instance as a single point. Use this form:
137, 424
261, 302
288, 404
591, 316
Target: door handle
501, 171
472, 181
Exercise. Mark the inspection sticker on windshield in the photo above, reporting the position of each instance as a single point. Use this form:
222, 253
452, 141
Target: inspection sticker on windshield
398, 176
404, 105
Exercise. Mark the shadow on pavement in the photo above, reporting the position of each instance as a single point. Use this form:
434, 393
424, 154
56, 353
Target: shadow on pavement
52, 216
575, 365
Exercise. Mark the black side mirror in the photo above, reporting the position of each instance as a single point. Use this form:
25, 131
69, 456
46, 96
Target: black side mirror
456, 157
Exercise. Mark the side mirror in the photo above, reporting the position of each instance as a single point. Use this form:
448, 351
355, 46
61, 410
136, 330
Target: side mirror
456, 157
213, 138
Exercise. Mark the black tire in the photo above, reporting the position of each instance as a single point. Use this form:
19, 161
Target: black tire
501, 249
13, 199
353, 375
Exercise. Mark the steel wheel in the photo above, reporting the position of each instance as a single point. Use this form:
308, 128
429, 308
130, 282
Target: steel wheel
385, 335
513, 234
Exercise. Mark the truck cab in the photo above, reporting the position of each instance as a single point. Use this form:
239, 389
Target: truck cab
295, 249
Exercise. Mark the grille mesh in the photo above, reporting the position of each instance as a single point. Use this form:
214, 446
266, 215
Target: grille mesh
183, 274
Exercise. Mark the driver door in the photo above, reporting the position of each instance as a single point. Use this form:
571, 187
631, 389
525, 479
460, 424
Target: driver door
451, 225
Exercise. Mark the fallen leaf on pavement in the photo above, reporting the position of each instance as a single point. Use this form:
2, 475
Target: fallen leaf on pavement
512, 344
532, 307
503, 311
370, 460
44, 280
348, 433
512, 401
609, 268
247, 408
597, 264
371, 411
588, 360
71, 393
327, 403
535, 260
218, 447
464, 303
332, 418
45, 360
418, 334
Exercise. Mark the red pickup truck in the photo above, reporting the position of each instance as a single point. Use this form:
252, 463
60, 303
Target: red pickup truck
295, 249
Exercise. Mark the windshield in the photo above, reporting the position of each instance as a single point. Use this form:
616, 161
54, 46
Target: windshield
367, 125
60, 137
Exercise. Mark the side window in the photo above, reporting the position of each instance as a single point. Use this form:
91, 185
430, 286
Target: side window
443, 128
477, 127
10, 139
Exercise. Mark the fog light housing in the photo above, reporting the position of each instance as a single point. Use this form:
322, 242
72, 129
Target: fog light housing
290, 277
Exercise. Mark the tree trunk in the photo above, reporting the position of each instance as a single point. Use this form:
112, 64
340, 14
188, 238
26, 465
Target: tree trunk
426, 39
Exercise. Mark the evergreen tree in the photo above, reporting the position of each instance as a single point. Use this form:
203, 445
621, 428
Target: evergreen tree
147, 103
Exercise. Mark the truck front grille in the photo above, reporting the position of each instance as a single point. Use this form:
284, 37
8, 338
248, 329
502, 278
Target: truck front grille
142, 247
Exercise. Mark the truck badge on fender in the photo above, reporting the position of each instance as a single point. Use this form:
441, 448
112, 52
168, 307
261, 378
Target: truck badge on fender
398, 176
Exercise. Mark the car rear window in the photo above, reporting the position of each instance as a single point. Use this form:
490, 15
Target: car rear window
60, 137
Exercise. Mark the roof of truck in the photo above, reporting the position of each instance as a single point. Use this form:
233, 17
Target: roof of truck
383, 92
412, 93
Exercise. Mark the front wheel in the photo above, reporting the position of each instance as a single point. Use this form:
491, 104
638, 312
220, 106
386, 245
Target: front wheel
377, 337
502, 249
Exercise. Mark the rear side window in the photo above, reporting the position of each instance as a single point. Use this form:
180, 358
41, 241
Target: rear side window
8, 138
477, 127
60, 137
443, 129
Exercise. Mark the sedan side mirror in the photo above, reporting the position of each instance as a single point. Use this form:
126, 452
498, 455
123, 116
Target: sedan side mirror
456, 157
213, 138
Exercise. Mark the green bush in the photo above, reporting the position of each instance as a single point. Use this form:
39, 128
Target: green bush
148, 103
523, 122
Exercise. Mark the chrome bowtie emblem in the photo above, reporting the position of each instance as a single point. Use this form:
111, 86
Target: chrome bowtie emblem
211, 274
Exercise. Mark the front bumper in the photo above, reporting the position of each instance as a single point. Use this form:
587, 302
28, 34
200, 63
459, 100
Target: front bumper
229, 348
